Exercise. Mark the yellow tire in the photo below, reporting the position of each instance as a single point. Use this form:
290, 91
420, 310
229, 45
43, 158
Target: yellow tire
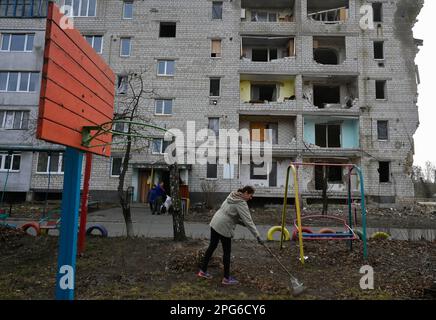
380, 235
275, 229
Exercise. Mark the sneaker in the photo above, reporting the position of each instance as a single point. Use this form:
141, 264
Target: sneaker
229, 280
203, 274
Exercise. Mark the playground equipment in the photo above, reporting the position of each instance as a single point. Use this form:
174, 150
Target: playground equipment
380, 235
50, 221
77, 91
324, 234
275, 229
100, 229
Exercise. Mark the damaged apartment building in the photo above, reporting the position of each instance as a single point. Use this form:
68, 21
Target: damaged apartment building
324, 87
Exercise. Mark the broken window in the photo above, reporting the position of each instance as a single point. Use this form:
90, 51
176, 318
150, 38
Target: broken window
214, 88
328, 135
325, 56
382, 130
272, 176
119, 126
264, 54
272, 135
217, 10
380, 89
329, 50
116, 166
264, 131
328, 11
378, 50
263, 92
167, 30
377, 12
324, 96
258, 171
334, 175
257, 131
216, 48
214, 125
383, 171
259, 55
263, 16
212, 170
122, 84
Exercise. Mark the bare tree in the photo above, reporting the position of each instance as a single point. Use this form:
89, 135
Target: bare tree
325, 201
132, 135
209, 187
417, 174
429, 172
178, 214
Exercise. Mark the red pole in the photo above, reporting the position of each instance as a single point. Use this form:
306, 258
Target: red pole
84, 207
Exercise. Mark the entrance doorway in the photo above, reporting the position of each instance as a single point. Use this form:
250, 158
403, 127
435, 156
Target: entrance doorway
148, 178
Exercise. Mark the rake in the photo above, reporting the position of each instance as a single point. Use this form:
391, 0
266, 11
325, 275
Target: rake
296, 285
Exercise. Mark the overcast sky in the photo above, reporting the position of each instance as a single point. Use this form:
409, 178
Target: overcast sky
425, 136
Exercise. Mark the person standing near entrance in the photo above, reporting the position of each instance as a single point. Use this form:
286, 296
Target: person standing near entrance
234, 210
156, 197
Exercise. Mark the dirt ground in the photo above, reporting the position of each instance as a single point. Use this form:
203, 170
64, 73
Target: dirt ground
141, 268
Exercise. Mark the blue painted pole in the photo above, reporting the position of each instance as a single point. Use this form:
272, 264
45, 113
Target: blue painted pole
65, 277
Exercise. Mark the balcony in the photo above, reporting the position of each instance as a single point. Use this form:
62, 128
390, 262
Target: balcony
333, 55
274, 54
336, 16
270, 93
337, 177
330, 94
277, 132
267, 18
268, 180
328, 12
331, 136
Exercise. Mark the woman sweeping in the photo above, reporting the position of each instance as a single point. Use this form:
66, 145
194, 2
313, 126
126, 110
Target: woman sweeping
234, 210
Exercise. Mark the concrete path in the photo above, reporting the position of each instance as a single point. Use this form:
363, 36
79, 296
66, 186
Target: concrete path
147, 225
161, 226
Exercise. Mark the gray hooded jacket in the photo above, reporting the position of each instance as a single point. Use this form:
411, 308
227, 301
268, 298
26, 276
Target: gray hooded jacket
233, 211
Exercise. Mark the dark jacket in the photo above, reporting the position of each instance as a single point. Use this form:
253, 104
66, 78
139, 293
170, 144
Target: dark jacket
155, 193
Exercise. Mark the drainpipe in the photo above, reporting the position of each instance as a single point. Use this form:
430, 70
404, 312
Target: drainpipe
110, 49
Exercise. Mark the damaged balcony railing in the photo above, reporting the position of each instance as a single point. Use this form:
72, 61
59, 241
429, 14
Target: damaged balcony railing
330, 15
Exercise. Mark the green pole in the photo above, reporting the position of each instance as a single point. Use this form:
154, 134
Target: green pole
6, 183
362, 205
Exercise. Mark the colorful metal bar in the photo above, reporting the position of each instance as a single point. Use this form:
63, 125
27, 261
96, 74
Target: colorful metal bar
65, 278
